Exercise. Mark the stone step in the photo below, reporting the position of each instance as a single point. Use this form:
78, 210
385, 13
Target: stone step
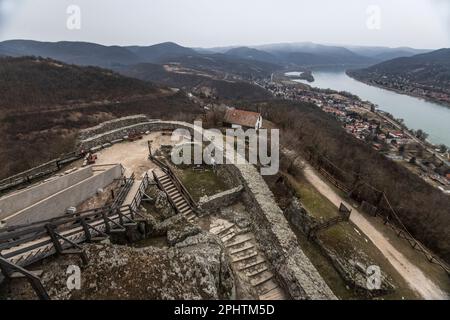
261, 268
225, 229
262, 279
228, 237
239, 241
190, 215
244, 257
273, 294
244, 253
232, 252
252, 264
267, 286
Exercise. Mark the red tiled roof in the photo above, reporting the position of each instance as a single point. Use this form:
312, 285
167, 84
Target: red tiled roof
241, 117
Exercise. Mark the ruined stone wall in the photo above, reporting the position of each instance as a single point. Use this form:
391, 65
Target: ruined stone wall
111, 125
293, 268
352, 271
105, 139
299, 217
212, 204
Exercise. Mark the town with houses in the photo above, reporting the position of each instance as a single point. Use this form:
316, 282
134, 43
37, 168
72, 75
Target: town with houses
402, 84
366, 122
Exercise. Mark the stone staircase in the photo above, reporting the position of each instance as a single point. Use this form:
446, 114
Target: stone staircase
248, 260
175, 197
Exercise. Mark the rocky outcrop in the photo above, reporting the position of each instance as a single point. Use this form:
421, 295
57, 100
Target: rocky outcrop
354, 271
195, 269
163, 205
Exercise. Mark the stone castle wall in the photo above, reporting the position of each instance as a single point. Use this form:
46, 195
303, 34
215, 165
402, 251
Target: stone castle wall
293, 268
111, 125
212, 204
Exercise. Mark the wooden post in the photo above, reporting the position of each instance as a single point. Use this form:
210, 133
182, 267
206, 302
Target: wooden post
86, 230
149, 148
34, 280
107, 226
51, 232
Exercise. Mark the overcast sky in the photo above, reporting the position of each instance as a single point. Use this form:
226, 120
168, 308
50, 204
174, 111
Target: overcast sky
208, 23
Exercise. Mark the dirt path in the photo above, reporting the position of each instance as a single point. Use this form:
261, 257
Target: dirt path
416, 279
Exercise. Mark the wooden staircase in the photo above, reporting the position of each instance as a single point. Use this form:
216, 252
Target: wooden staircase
174, 195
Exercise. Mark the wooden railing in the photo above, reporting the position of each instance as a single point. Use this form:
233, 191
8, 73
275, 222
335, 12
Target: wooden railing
124, 190
23, 245
136, 202
334, 181
28, 176
178, 184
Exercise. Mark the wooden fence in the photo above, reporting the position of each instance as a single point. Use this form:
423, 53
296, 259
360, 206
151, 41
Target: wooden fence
29, 176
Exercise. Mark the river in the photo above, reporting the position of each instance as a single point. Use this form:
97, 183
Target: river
417, 113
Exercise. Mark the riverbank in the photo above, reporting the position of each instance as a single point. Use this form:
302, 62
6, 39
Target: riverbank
409, 94
417, 113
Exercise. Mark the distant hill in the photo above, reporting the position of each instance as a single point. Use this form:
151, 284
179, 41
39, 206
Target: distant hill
161, 52
431, 68
113, 57
311, 54
196, 83
222, 65
384, 53
426, 75
80, 53
252, 54
43, 102
241, 61
29, 81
